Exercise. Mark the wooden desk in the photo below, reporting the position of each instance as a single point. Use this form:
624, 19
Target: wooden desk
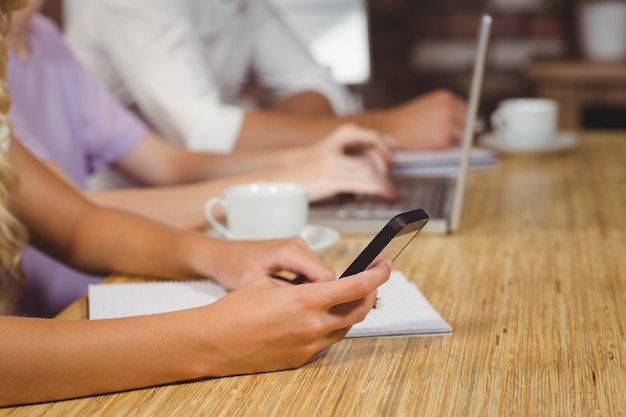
534, 286
577, 85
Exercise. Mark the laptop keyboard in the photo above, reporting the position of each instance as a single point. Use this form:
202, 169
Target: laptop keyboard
424, 192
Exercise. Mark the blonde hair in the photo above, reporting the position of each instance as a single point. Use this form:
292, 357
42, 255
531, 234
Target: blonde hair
13, 234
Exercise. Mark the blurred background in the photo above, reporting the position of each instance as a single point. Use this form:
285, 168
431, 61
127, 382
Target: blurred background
388, 51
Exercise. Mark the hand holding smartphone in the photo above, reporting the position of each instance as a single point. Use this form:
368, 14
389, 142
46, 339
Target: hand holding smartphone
387, 244
390, 241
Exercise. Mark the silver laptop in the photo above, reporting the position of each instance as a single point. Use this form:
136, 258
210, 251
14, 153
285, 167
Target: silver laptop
440, 197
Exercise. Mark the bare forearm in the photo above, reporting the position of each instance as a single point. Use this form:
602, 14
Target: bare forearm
262, 129
307, 103
272, 129
46, 360
179, 206
154, 162
116, 240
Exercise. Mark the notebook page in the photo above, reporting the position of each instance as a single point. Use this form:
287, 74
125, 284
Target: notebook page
402, 310
108, 301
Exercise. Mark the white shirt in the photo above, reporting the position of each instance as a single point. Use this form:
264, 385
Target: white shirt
183, 62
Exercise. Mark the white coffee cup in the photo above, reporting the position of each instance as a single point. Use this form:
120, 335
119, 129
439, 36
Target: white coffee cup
526, 122
262, 210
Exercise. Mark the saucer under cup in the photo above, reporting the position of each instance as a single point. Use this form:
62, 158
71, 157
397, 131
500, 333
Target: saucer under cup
562, 141
317, 237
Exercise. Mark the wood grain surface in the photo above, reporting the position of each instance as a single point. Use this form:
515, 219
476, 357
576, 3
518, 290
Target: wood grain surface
534, 286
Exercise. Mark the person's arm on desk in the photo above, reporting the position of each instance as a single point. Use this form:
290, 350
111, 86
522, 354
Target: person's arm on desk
64, 224
180, 181
283, 328
157, 70
349, 160
431, 121
306, 103
47, 359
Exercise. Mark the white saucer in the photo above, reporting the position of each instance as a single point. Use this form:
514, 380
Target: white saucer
316, 236
319, 237
562, 141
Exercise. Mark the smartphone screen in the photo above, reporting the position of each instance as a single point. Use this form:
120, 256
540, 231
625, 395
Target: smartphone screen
392, 239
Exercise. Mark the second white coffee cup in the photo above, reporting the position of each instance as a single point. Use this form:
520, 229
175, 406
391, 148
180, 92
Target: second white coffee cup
262, 210
526, 122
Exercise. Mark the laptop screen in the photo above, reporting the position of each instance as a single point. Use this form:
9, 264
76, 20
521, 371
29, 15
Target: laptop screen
472, 112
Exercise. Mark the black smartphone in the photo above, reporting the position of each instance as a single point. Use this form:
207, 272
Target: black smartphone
387, 244
390, 241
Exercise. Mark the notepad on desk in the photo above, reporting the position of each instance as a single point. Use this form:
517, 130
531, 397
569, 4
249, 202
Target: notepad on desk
402, 310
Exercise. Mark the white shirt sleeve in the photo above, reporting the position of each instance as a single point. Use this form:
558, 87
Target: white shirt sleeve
154, 48
162, 54
283, 63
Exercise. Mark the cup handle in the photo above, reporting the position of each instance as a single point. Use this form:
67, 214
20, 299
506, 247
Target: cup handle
208, 212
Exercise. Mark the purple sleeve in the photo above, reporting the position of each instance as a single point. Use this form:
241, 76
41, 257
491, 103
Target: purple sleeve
107, 129
110, 130
76, 122
81, 115
24, 136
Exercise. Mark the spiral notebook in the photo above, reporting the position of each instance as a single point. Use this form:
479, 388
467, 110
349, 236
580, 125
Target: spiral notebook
402, 310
